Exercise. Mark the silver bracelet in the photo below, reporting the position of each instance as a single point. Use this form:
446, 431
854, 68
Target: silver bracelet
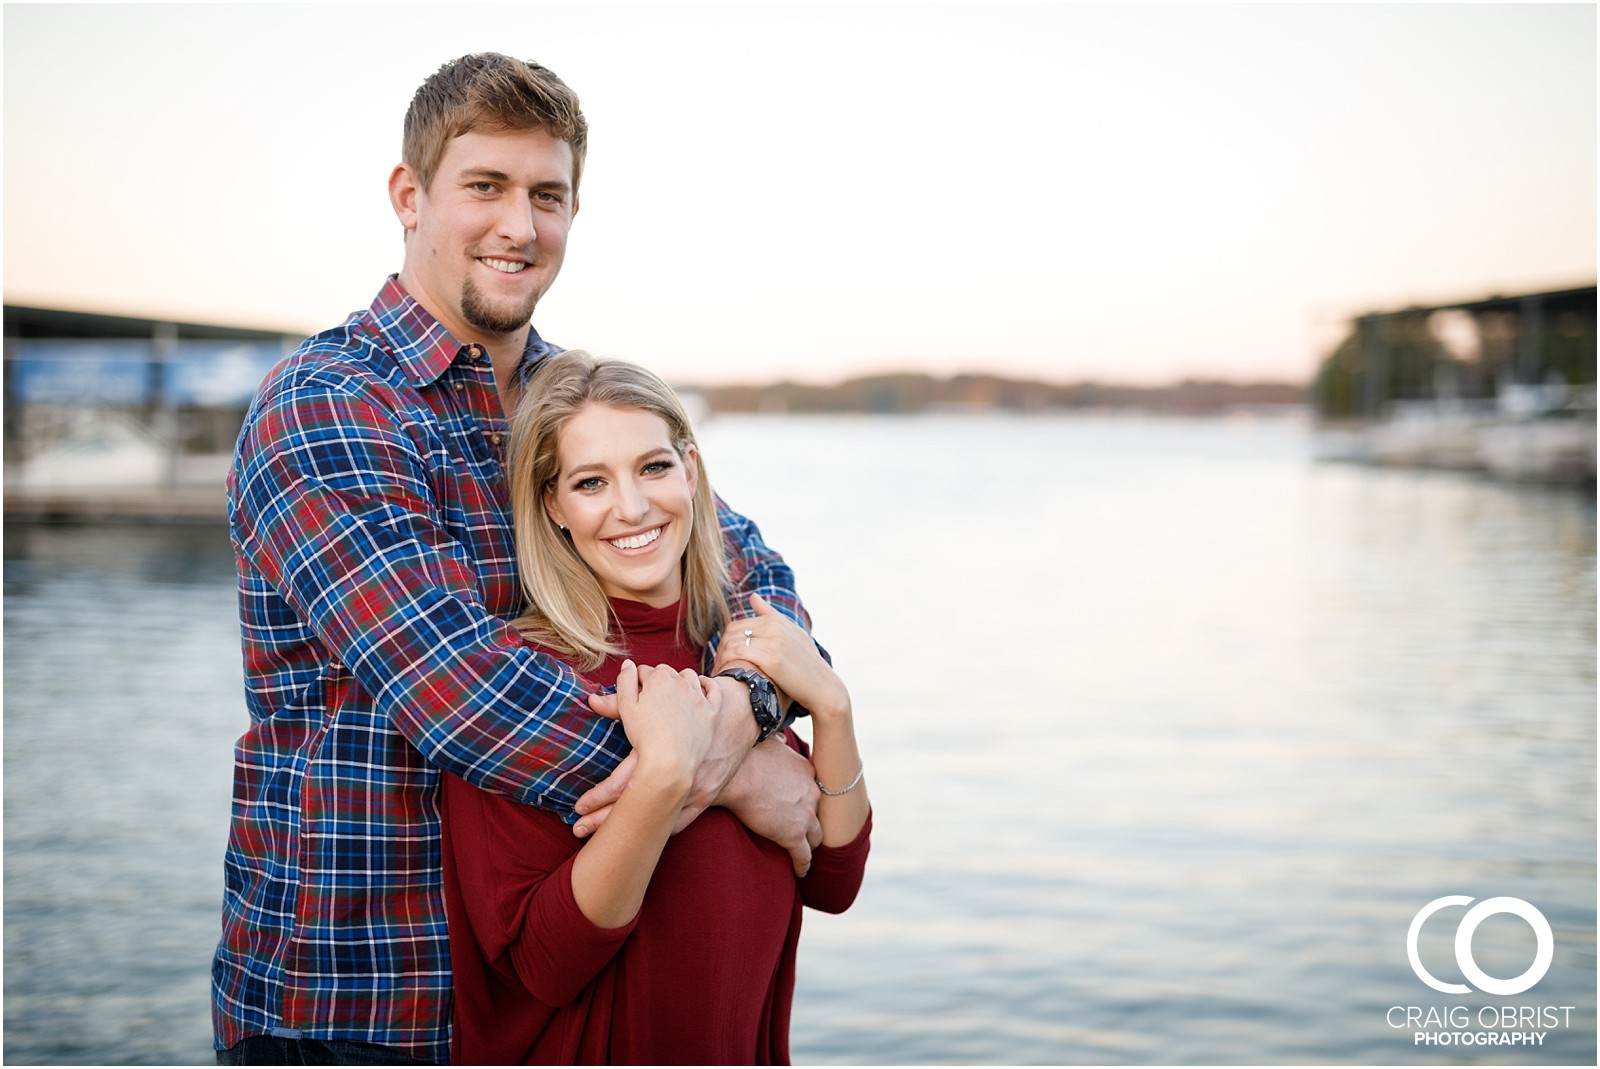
847, 790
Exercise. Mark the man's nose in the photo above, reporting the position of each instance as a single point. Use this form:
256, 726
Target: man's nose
516, 222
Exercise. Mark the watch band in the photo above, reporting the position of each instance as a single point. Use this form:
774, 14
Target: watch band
763, 701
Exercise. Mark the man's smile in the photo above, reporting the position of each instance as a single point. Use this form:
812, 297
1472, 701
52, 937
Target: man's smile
508, 267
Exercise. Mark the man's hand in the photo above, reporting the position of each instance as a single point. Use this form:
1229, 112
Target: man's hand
774, 794
733, 735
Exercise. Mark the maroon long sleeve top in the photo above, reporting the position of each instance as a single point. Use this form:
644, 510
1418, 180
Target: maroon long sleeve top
704, 974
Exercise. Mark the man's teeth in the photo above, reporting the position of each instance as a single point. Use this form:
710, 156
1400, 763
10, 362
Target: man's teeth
637, 541
510, 267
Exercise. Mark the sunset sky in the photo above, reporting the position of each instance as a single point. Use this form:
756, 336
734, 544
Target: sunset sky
1132, 193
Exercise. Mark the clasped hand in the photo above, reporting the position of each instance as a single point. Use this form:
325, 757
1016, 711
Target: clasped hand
668, 719
770, 788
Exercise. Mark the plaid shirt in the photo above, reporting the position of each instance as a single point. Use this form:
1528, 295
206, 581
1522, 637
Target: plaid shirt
376, 568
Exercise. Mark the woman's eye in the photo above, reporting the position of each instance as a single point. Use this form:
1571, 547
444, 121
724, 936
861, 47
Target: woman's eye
591, 483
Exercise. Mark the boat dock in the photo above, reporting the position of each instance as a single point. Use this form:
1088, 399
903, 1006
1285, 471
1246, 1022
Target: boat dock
1504, 386
103, 504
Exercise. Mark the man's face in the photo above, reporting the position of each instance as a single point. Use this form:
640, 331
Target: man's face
487, 237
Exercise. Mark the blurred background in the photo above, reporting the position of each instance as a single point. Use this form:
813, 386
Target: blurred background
1181, 420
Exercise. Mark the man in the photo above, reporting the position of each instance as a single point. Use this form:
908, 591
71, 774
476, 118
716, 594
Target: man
377, 573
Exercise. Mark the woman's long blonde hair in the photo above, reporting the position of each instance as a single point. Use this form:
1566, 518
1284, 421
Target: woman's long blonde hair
567, 610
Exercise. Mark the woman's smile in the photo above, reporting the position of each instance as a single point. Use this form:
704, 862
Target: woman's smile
638, 541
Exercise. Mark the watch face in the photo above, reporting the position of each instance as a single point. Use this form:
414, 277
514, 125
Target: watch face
764, 699
763, 696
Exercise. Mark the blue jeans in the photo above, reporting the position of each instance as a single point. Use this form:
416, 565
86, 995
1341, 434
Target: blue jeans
271, 1050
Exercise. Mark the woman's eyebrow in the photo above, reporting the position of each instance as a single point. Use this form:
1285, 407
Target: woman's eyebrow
600, 465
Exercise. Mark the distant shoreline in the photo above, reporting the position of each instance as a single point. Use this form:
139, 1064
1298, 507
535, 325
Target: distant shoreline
912, 392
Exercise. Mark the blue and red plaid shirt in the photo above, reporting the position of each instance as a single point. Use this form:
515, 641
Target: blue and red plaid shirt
377, 573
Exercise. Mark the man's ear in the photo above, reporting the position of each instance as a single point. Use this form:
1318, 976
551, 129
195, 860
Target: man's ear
404, 193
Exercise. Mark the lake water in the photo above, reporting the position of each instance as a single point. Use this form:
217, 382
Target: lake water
1170, 733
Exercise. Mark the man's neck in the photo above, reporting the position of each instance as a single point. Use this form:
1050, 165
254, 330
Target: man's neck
506, 383
505, 356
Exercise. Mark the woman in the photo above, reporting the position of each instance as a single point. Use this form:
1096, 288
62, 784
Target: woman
637, 945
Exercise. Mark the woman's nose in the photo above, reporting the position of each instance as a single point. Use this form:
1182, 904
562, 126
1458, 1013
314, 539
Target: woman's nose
631, 503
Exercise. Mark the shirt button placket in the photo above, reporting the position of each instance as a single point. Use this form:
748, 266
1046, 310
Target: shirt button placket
476, 353
466, 378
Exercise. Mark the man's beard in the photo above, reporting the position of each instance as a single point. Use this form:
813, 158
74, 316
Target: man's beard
481, 314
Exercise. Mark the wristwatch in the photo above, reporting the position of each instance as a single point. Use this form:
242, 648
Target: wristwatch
763, 700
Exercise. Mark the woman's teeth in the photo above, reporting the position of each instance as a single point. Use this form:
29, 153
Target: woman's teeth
637, 541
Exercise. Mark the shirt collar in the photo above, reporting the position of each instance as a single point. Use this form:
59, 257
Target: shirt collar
422, 347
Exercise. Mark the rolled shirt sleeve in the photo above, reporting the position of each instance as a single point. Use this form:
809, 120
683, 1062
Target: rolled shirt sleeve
338, 509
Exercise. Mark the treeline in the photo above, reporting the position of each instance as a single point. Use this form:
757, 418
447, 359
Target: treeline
922, 393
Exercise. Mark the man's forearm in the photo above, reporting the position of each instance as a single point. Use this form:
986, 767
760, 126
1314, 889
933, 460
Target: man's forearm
357, 555
756, 568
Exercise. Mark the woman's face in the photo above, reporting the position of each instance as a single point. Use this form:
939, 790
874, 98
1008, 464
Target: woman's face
626, 497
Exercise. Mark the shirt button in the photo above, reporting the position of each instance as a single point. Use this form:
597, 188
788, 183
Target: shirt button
458, 385
496, 437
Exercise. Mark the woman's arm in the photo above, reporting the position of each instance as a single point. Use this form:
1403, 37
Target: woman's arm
841, 774
521, 891
781, 650
508, 890
668, 720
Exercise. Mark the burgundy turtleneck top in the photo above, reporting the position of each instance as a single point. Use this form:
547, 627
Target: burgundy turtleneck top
703, 975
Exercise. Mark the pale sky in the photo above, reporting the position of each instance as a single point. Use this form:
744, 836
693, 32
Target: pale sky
1133, 193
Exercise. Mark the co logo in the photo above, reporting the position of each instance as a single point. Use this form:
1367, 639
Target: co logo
1469, 924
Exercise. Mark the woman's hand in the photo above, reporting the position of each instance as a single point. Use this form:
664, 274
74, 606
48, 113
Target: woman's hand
783, 652
668, 720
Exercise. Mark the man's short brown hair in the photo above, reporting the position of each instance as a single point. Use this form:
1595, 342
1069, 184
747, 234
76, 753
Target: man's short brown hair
491, 91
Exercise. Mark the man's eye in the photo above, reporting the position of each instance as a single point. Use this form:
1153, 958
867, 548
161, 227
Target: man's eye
483, 187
